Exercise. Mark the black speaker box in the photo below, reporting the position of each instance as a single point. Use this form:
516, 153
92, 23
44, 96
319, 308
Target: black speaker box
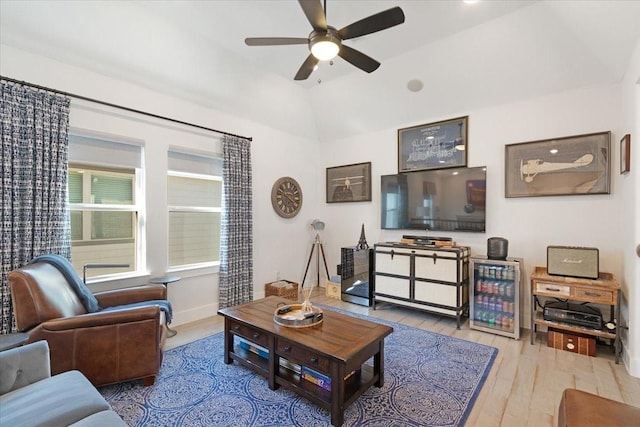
497, 248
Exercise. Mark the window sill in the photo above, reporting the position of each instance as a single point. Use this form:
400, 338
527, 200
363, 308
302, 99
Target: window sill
116, 277
115, 281
196, 270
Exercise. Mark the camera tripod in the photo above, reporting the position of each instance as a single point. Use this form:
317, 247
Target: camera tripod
319, 249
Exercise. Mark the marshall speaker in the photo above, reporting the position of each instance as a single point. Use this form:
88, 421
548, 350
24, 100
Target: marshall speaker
573, 261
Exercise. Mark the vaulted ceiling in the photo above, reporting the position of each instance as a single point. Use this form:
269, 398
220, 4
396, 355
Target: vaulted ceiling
466, 56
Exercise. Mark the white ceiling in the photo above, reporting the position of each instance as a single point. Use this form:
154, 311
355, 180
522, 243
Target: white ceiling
467, 56
228, 23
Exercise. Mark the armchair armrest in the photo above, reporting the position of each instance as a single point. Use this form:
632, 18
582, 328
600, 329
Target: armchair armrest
103, 318
24, 365
130, 295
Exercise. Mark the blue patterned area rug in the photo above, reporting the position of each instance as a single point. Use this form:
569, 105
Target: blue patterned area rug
430, 380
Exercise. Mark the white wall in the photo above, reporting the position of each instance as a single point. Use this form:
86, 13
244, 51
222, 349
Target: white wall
530, 224
629, 186
280, 246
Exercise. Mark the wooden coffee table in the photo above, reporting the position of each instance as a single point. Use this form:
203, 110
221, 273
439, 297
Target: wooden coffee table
336, 348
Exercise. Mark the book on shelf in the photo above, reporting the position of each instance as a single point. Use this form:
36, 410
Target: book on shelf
253, 348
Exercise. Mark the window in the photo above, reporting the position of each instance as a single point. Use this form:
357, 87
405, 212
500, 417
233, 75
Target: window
195, 207
104, 205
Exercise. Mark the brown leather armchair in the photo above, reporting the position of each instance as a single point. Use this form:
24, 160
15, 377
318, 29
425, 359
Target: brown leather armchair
111, 345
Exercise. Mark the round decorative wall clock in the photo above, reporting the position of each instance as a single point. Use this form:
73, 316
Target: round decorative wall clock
286, 197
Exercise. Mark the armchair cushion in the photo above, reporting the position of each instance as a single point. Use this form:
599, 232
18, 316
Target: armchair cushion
122, 316
22, 366
161, 304
136, 297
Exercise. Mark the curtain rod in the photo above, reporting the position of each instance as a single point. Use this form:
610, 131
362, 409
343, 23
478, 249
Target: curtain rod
131, 110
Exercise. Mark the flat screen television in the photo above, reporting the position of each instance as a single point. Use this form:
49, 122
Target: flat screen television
452, 199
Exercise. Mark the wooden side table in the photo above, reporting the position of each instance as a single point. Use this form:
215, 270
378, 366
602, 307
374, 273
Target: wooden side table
9, 341
605, 290
165, 280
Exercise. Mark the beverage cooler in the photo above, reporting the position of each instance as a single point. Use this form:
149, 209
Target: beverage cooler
495, 302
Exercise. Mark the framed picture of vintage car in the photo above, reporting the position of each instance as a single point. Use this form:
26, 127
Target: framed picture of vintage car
571, 165
349, 183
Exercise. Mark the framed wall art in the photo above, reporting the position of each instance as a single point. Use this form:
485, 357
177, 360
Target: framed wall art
625, 154
349, 183
558, 167
433, 146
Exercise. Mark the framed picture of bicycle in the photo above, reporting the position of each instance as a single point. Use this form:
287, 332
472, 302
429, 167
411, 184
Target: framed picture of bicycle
349, 183
564, 166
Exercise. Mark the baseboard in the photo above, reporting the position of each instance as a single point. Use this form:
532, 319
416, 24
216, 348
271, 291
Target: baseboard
194, 314
632, 363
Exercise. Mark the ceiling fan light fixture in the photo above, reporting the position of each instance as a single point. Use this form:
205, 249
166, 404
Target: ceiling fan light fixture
325, 50
325, 46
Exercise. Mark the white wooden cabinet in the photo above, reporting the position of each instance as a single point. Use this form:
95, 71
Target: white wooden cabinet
429, 278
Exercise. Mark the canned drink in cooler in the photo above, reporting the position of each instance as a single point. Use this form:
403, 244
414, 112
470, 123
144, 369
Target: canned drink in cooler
509, 290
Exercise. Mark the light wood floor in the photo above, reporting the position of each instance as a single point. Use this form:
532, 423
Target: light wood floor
526, 381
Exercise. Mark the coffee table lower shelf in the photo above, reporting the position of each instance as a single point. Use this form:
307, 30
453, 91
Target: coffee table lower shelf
250, 360
354, 386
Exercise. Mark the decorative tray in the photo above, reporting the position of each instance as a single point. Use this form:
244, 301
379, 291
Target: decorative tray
293, 316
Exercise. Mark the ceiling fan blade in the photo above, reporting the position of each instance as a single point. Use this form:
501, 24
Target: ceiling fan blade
359, 59
315, 14
306, 68
274, 41
378, 22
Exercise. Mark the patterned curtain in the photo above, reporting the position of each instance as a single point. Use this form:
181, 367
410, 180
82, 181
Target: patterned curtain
236, 246
35, 217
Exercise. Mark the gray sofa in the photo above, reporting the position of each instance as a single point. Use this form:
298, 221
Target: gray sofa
30, 396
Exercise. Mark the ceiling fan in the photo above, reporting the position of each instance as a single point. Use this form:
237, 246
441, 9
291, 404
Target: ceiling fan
325, 41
